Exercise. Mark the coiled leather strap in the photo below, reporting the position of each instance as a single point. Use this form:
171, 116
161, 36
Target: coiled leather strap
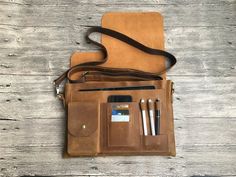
95, 68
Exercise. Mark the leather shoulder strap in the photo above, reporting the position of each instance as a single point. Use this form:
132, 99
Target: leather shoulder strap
93, 66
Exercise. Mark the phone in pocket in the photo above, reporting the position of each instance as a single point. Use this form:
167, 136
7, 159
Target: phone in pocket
119, 98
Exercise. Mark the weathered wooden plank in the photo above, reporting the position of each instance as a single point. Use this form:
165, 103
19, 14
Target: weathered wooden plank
212, 167
112, 2
31, 51
30, 105
27, 84
50, 160
47, 161
54, 63
57, 14
204, 63
65, 38
212, 163
200, 38
211, 131
33, 132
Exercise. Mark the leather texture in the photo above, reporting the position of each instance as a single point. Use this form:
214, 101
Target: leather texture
121, 138
90, 131
145, 27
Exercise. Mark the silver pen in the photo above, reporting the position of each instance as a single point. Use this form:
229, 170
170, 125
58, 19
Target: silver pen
151, 116
142, 106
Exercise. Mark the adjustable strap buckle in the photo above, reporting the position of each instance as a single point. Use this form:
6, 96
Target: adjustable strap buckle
172, 88
83, 76
59, 94
57, 89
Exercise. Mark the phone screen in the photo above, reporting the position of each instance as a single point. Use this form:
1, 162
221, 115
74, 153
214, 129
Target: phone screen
119, 98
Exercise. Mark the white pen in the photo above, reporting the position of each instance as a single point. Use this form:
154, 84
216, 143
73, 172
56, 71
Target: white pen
151, 116
142, 106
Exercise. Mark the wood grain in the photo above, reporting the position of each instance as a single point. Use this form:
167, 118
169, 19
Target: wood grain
36, 41
30, 50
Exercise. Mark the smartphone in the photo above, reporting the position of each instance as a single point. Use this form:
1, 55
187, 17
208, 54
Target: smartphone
119, 98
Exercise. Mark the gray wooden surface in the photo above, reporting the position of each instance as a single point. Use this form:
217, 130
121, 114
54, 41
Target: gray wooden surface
36, 41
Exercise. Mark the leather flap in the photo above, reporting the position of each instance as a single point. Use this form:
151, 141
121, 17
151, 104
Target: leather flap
82, 118
145, 27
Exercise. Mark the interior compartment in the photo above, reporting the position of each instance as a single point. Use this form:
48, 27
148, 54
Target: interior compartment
158, 84
103, 95
115, 137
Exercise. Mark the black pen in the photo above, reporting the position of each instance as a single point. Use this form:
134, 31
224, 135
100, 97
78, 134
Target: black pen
157, 116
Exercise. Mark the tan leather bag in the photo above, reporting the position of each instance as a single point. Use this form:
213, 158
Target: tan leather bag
97, 125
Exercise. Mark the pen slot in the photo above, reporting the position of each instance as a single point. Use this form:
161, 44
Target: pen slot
159, 114
155, 117
163, 127
122, 126
157, 143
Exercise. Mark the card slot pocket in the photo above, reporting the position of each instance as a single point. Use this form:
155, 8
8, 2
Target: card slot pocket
158, 143
83, 137
122, 123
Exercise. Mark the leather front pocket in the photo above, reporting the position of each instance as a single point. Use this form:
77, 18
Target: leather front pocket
83, 128
122, 126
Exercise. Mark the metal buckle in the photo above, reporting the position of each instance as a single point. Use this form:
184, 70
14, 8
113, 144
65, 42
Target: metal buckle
84, 74
172, 88
57, 89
